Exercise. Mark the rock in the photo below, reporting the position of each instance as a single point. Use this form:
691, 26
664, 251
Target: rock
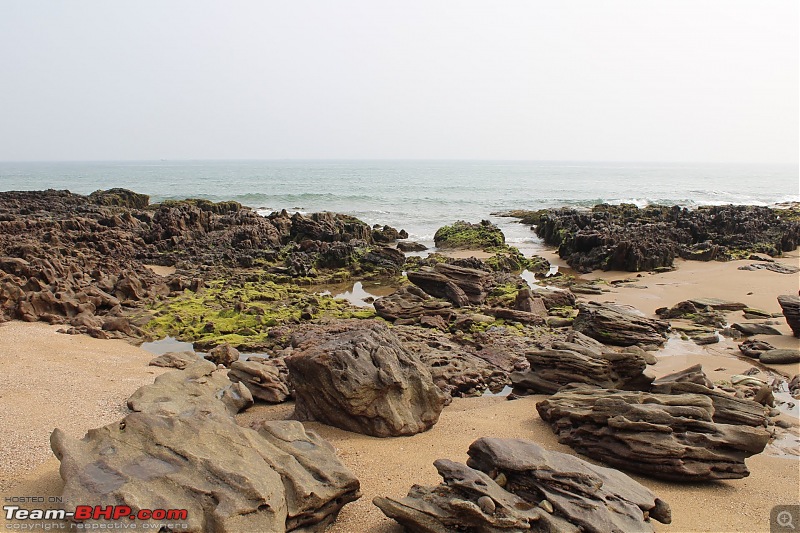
705, 315
555, 297
717, 305
465, 235
669, 436
435, 322
613, 324
565, 362
179, 360
224, 355
790, 304
411, 302
411, 246
751, 328
544, 491
356, 375
514, 315
460, 285
754, 348
267, 379
385, 234
780, 268
525, 301
780, 357
120, 198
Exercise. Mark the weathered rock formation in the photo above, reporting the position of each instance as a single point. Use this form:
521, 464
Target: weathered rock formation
267, 379
460, 285
410, 303
356, 375
469, 236
618, 325
224, 355
181, 449
514, 485
790, 304
179, 360
669, 436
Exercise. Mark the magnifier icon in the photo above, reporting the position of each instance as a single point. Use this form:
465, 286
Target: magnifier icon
784, 519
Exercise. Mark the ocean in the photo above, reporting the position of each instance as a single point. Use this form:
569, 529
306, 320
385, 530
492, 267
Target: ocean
420, 196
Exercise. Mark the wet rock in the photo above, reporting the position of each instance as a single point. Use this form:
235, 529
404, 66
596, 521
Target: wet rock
780, 357
267, 379
224, 355
749, 329
617, 325
669, 436
411, 246
790, 304
356, 375
460, 285
411, 302
469, 236
179, 360
542, 491
754, 348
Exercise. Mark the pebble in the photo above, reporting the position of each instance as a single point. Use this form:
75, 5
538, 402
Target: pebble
486, 504
501, 479
546, 505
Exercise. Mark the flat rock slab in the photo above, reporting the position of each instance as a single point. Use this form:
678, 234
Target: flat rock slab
669, 436
752, 328
617, 325
358, 376
780, 357
717, 304
179, 360
515, 485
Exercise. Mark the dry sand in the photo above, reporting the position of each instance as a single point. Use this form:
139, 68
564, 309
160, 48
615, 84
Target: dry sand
76, 383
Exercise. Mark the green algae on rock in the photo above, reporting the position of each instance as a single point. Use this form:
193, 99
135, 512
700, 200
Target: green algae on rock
465, 235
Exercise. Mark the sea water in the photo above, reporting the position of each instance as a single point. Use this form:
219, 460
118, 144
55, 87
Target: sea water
419, 196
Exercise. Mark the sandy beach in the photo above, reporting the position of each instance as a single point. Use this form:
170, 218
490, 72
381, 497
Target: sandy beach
76, 383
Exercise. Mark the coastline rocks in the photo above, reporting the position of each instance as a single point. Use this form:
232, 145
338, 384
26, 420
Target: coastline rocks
466, 235
617, 325
662, 435
790, 304
411, 246
266, 379
356, 375
754, 348
460, 285
748, 329
515, 485
411, 303
780, 357
179, 360
224, 355
566, 362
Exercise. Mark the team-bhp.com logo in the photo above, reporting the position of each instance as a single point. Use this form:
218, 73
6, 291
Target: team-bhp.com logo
112, 513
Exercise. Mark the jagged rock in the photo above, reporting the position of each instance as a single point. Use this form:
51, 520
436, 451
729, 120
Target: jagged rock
385, 234
754, 348
411, 302
179, 360
717, 305
356, 375
411, 246
780, 357
526, 301
543, 491
790, 304
727, 409
516, 316
566, 362
469, 236
267, 379
460, 285
120, 198
780, 268
751, 328
224, 355
670, 436
617, 325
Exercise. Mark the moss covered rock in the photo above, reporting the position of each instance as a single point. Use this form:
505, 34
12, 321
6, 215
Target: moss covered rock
465, 235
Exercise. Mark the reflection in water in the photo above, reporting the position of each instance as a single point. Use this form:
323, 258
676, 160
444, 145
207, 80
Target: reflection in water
167, 344
357, 293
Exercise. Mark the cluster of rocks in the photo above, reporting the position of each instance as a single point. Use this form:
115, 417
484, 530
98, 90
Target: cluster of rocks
515, 485
277, 477
626, 237
768, 354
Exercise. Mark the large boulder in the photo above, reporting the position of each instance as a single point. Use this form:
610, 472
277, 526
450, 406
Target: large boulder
357, 375
669, 436
460, 285
514, 485
618, 325
469, 236
183, 450
790, 304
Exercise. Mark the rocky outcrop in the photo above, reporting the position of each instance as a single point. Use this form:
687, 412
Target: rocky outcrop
267, 379
224, 355
412, 246
276, 478
514, 485
618, 325
411, 303
748, 329
469, 236
356, 375
669, 436
179, 360
460, 285
625, 237
566, 362
790, 304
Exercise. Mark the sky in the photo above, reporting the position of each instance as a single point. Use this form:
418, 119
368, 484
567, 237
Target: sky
583, 80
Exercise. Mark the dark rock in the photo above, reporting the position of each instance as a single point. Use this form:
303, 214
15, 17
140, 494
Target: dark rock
411, 246
780, 357
750, 328
267, 379
514, 315
780, 268
541, 491
179, 360
356, 375
224, 355
754, 348
120, 198
462, 286
411, 302
790, 304
385, 234
617, 325
662, 435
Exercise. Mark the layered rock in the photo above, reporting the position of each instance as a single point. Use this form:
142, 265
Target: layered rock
411, 303
266, 379
278, 478
179, 360
790, 304
357, 375
460, 285
469, 236
514, 485
618, 325
669, 436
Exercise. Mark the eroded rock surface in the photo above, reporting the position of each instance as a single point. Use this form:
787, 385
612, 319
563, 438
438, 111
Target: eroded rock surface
790, 304
267, 379
618, 325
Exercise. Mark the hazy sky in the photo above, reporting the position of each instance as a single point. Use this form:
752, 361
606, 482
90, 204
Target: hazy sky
549, 80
